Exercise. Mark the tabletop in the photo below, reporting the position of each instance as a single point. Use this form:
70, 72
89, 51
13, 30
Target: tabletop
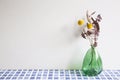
55, 74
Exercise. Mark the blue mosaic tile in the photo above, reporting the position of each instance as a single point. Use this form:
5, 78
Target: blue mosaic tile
55, 74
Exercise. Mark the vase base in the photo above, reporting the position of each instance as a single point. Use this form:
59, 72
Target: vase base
91, 72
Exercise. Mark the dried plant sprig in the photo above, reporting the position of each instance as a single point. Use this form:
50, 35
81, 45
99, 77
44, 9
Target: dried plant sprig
92, 29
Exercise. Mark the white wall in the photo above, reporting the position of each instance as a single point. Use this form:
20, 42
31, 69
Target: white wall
44, 33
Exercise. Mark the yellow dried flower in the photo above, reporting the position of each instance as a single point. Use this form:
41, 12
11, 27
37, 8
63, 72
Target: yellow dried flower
80, 22
89, 26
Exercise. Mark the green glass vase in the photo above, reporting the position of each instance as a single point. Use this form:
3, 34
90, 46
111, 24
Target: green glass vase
92, 63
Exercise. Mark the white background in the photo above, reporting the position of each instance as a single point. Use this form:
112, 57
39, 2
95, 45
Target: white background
44, 33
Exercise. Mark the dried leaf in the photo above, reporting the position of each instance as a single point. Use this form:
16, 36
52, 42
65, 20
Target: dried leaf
88, 17
93, 12
96, 33
89, 33
96, 25
83, 35
99, 18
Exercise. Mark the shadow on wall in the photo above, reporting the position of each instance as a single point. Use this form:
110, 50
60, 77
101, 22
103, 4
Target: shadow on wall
75, 62
72, 33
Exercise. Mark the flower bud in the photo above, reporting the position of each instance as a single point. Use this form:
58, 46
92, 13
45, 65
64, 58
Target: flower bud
89, 26
80, 22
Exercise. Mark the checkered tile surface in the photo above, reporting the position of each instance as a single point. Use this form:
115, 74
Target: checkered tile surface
55, 74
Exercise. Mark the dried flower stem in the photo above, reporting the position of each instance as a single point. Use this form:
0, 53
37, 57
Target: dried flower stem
91, 42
